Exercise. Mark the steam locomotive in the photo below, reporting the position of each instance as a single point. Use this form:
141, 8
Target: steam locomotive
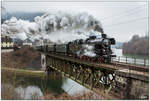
92, 49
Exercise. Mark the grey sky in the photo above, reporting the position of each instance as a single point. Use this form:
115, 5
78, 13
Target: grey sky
119, 19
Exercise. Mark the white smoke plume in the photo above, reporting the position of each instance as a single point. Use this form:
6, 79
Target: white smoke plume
89, 50
59, 27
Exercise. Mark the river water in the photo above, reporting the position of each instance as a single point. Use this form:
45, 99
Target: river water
27, 86
130, 58
30, 85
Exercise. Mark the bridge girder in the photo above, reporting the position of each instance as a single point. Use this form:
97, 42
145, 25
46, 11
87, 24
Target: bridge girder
96, 79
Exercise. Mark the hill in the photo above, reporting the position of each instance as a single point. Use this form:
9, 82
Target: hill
137, 46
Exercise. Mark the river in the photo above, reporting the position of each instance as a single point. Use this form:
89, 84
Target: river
26, 86
137, 59
30, 85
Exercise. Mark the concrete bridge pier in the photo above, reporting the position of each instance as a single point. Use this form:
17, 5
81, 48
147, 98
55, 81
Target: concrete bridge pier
43, 61
50, 72
131, 88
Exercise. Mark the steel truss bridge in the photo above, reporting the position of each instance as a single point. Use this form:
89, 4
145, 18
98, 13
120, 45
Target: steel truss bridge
100, 78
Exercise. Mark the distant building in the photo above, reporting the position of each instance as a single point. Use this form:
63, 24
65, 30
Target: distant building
27, 42
7, 43
18, 42
37, 42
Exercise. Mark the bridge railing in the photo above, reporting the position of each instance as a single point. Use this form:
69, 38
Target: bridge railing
144, 62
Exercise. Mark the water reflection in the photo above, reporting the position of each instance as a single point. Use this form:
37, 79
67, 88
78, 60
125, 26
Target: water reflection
32, 87
29, 92
72, 87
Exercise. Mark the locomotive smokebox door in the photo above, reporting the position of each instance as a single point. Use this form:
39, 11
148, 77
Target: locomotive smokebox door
43, 61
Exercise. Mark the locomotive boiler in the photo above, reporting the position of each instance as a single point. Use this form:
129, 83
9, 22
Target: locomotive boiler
91, 49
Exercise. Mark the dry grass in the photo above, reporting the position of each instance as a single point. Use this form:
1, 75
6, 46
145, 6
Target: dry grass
78, 96
20, 58
7, 90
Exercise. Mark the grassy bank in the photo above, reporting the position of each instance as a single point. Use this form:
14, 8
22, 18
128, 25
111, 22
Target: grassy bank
24, 72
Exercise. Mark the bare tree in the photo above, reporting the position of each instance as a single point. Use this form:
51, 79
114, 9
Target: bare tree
137, 45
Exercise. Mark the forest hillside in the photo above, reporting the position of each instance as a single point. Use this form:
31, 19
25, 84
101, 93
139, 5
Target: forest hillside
137, 45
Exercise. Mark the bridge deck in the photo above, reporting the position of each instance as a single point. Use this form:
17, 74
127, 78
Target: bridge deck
127, 70
76, 60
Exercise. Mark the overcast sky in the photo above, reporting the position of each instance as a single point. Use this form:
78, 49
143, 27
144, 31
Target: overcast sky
120, 20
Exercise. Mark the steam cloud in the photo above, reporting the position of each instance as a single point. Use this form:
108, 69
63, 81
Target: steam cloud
87, 50
59, 27
56, 27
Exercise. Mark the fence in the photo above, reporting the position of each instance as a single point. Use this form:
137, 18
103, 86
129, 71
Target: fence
144, 62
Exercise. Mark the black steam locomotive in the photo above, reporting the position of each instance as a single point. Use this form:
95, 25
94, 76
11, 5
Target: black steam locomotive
92, 49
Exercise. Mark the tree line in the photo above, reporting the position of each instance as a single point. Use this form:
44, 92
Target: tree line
137, 45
